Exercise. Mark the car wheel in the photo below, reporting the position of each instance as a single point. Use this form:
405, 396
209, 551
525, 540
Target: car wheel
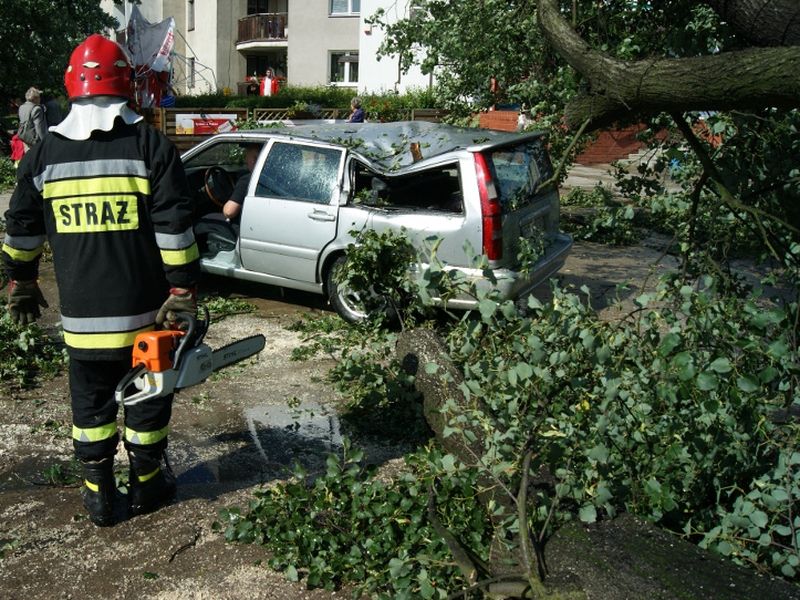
345, 301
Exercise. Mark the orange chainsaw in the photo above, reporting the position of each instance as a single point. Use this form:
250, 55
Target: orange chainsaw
172, 359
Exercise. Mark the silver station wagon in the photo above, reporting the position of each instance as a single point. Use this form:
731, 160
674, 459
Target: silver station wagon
477, 191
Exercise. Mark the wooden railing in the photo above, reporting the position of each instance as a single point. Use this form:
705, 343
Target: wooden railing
263, 26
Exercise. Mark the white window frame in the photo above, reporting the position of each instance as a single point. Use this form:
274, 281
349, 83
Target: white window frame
346, 82
348, 13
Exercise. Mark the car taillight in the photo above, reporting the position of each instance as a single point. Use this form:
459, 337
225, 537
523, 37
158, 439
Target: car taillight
490, 210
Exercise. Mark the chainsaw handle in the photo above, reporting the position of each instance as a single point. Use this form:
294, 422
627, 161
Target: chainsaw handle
119, 393
195, 332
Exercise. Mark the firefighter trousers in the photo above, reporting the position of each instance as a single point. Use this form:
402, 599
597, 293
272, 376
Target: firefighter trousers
94, 413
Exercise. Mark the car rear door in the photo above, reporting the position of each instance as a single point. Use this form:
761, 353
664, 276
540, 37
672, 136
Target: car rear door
290, 213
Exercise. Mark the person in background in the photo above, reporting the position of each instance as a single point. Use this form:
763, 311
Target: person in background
356, 112
52, 111
109, 194
17, 150
33, 111
232, 209
269, 84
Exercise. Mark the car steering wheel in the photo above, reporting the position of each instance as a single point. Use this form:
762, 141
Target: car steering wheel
218, 184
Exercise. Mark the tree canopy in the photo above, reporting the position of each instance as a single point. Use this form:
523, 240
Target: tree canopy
37, 37
609, 44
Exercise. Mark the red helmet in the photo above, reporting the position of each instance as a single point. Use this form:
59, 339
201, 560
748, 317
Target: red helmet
99, 67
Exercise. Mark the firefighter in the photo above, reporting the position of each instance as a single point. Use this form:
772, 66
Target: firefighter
109, 194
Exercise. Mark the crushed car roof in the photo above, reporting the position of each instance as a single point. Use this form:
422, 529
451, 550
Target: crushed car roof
388, 145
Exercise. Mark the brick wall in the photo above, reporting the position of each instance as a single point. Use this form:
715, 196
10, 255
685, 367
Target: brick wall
502, 120
609, 145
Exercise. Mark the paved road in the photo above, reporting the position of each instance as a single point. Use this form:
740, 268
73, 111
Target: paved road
4, 199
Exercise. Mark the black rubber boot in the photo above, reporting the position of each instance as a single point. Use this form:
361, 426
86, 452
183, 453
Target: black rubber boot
151, 485
99, 491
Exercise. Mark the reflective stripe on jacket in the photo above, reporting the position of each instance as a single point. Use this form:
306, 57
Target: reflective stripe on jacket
117, 212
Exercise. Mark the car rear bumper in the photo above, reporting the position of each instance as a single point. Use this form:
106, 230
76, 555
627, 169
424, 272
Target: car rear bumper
510, 284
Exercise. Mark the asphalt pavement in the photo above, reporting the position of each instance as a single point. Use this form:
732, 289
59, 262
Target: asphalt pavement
5, 197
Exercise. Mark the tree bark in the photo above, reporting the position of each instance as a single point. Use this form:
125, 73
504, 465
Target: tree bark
755, 77
762, 22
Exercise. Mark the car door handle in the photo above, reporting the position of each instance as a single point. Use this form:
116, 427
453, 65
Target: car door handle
321, 215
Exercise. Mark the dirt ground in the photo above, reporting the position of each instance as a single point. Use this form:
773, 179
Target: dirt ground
231, 434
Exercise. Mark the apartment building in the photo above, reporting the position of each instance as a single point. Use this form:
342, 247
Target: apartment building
219, 44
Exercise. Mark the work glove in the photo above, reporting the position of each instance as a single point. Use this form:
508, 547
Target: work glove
179, 300
24, 300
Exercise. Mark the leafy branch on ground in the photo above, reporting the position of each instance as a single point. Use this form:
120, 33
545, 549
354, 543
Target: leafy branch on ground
27, 352
667, 414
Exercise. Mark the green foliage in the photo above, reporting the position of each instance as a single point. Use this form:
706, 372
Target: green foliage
607, 220
753, 154
348, 526
382, 106
665, 415
8, 173
378, 265
669, 414
44, 33
63, 475
220, 307
8, 546
26, 352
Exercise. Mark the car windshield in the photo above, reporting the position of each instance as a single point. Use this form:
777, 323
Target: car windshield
518, 172
225, 154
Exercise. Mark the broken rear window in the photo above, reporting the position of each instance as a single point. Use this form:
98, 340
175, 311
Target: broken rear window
436, 189
518, 172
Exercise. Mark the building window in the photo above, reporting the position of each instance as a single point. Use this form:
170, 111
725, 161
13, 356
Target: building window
257, 7
190, 15
191, 82
344, 67
345, 7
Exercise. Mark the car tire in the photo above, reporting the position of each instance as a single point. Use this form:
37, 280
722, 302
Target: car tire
344, 301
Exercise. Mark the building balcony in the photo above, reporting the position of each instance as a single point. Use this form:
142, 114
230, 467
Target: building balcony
263, 28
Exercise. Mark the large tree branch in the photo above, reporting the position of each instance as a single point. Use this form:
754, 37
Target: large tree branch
762, 22
755, 77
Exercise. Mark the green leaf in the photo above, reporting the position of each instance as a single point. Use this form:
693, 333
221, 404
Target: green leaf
724, 548
707, 381
396, 567
598, 453
449, 463
669, 343
487, 308
643, 300
588, 513
759, 519
426, 590
524, 370
747, 384
291, 573
431, 368
721, 365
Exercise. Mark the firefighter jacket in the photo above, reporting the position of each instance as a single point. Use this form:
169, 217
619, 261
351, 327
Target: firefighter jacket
117, 212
